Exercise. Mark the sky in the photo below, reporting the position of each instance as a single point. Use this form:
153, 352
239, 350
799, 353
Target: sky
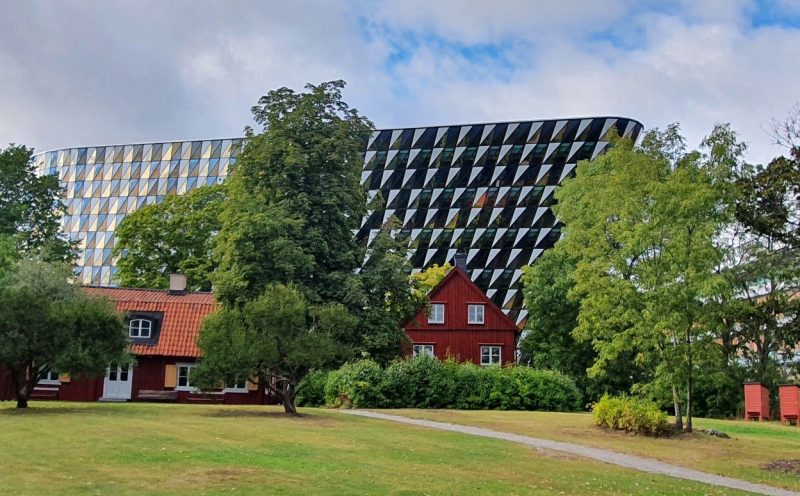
82, 73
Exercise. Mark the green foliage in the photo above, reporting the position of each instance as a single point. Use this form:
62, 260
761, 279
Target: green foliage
429, 278
643, 226
49, 324
277, 337
311, 389
295, 199
425, 382
175, 235
382, 298
31, 207
628, 414
354, 385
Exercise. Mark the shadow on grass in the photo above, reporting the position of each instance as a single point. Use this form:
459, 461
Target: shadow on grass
258, 414
61, 410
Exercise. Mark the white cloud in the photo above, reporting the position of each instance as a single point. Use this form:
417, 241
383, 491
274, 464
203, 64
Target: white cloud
73, 73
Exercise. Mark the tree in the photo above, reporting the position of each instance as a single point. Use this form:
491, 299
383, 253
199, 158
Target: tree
277, 338
31, 207
176, 235
643, 226
382, 297
429, 278
49, 324
295, 198
549, 340
765, 277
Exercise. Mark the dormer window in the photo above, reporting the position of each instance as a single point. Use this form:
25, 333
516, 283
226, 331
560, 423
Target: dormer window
475, 314
436, 314
140, 328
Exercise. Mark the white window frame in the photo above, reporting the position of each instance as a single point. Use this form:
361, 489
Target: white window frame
432, 313
188, 386
236, 388
140, 327
423, 349
491, 348
49, 379
476, 307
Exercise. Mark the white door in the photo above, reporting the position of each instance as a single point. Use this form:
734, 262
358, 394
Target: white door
118, 383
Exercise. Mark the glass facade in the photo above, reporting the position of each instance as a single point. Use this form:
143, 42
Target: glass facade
482, 189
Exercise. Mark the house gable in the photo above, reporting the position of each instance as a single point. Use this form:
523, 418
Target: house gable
456, 291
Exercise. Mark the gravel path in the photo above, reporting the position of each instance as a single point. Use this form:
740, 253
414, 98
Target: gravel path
628, 461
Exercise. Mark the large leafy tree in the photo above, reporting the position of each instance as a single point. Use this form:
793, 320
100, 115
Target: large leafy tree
30, 206
295, 198
382, 297
277, 338
49, 324
176, 235
643, 226
764, 277
549, 340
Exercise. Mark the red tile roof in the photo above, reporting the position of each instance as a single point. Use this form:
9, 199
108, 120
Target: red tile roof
183, 315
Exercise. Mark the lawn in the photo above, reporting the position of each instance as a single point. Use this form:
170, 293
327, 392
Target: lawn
149, 449
751, 445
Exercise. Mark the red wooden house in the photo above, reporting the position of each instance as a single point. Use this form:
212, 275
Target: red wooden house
163, 327
463, 323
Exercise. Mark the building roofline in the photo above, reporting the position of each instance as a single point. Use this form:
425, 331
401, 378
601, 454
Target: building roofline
50, 150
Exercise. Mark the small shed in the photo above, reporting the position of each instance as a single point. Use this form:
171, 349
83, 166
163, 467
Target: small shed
756, 401
790, 403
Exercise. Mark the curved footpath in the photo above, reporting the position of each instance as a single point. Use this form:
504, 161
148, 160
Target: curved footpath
603, 455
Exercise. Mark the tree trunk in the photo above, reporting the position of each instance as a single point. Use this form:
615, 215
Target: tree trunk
287, 396
676, 399
689, 385
23, 381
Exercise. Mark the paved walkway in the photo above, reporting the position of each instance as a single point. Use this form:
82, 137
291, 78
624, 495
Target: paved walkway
628, 461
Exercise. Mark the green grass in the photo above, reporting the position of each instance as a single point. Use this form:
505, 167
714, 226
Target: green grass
752, 445
148, 449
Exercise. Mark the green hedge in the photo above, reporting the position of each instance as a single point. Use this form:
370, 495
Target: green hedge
636, 415
311, 390
425, 382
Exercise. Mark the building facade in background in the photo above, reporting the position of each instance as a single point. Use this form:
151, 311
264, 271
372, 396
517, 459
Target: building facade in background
483, 189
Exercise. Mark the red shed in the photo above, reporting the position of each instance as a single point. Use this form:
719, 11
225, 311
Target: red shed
163, 327
790, 403
756, 401
462, 322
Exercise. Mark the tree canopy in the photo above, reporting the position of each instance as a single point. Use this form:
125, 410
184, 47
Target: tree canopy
275, 340
31, 207
295, 198
49, 325
176, 235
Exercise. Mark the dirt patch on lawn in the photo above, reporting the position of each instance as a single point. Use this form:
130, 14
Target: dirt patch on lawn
257, 414
791, 467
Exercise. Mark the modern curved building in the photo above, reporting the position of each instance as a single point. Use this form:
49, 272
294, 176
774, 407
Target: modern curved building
482, 189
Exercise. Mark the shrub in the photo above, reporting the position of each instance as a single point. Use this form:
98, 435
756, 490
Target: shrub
355, 385
425, 382
628, 414
311, 390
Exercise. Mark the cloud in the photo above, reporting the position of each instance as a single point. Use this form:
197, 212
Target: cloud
72, 73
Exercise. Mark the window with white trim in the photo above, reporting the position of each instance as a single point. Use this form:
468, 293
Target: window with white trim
50, 378
423, 349
436, 313
490, 355
239, 387
475, 314
140, 328
184, 376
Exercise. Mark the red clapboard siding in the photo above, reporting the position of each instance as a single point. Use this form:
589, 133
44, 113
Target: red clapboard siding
756, 401
456, 337
790, 403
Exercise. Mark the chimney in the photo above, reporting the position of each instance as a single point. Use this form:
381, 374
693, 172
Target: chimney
177, 284
460, 260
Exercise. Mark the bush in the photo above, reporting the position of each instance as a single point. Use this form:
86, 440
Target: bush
425, 382
631, 415
311, 390
355, 385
